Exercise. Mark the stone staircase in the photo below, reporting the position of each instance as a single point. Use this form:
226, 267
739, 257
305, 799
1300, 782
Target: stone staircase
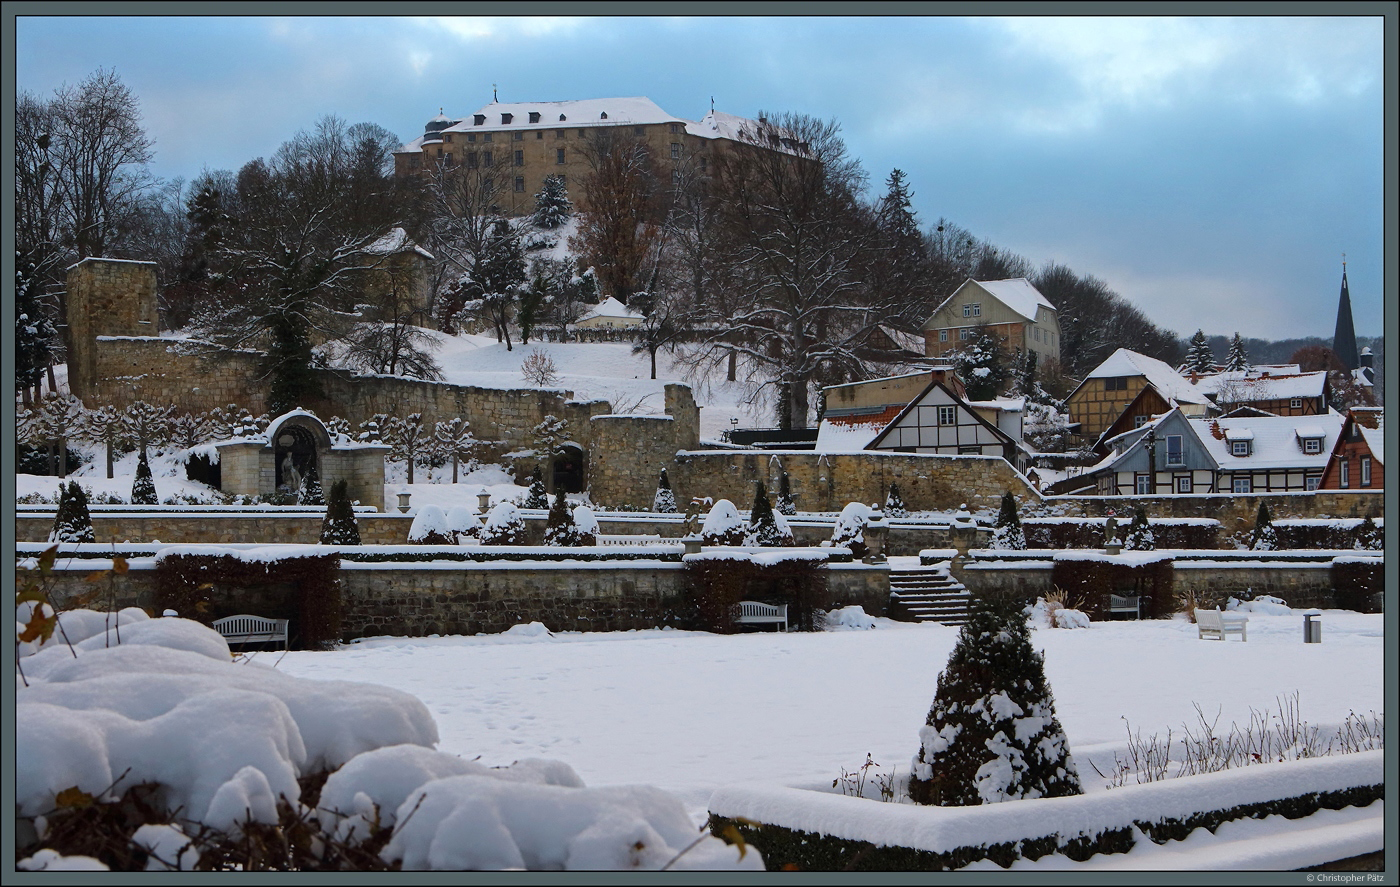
928, 594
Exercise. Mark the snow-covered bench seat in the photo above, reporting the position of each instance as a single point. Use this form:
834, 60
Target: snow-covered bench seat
758, 613
248, 629
1215, 624
623, 539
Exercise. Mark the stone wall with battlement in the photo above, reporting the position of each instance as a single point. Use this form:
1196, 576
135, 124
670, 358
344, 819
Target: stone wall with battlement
105, 297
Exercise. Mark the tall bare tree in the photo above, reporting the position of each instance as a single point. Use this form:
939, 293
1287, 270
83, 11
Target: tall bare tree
620, 222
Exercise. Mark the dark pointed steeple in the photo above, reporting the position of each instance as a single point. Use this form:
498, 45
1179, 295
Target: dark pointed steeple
1344, 339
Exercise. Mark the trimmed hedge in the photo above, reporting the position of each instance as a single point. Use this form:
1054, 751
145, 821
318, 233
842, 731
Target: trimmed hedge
1092, 581
1359, 585
795, 850
715, 586
1088, 533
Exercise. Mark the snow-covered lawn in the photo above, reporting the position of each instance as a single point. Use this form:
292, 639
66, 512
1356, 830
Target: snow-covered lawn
690, 711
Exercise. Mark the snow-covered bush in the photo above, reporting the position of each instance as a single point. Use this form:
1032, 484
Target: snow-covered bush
992, 734
310, 492
1368, 536
587, 524
504, 526
339, 526
894, 503
1071, 618
430, 528
560, 528
72, 522
1139, 536
1264, 537
463, 524
1008, 534
552, 206
848, 618
664, 502
850, 529
143, 490
535, 496
766, 527
785, 505
723, 525
1261, 603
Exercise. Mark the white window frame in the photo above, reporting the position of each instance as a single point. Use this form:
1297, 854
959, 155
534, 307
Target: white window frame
1183, 484
967, 310
675, 150
1296, 403
942, 335
1365, 471
1239, 448
1312, 482
1241, 483
1343, 474
1312, 445
947, 415
1142, 483
976, 309
1180, 450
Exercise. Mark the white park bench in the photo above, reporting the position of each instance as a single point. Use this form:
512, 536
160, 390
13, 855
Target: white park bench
616, 539
1214, 624
247, 629
758, 613
1125, 603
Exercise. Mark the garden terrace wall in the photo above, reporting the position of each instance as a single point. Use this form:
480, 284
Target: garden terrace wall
1236, 513
828, 481
1087, 532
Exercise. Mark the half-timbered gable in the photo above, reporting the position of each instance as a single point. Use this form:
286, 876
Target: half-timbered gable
1288, 394
1356, 461
1114, 385
938, 421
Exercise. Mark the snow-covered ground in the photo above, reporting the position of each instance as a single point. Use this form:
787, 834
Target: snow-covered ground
690, 711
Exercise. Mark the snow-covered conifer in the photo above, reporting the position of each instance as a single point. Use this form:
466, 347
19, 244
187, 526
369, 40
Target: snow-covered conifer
72, 522
1264, 537
552, 206
723, 525
1199, 357
143, 490
504, 526
664, 502
560, 528
536, 497
992, 734
894, 503
430, 528
1008, 534
764, 527
310, 492
1237, 360
850, 529
339, 526
1139, 537
587, 524
785, 504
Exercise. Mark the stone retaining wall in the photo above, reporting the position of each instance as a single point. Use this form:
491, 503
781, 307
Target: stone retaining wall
1236, 513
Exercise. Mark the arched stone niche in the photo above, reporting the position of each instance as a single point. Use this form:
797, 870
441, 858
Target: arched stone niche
295, 443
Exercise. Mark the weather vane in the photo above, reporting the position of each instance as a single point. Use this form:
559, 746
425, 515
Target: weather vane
493, 92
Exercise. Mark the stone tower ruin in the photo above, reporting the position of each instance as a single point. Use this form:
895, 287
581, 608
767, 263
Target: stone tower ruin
106, 297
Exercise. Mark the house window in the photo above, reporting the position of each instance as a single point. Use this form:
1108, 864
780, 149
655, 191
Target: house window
967, 311
1183, 484
1312, 445
675, 150
539, 134
942, 335
1296, 403
675, 127
486, 159
965, 333
1116, 383
703, 163
583, 134
486, 136
1312, 482
518, 135
1239, 448
1142, 484
947, 416
1175, 454
560, 133
1365, 471
969, 451
1343, 474
471, 160
534, 116
977, 309
1242, 484
471, 136
519, 183
1139, 421
1036, 332
638, 130
519, 158
558, 155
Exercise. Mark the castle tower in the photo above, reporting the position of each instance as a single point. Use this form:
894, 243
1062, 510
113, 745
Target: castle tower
106, 297
1344, 339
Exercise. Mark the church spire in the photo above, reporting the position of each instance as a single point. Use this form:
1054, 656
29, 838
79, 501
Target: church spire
1344, 339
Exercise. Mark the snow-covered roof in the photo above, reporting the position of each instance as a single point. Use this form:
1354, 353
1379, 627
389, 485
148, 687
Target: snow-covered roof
719, 125
1274, 441
1252, 385
1168, 382
396, 241
1017, 294
636, 110
904, 341
611, 307
1306, 431
846, 437
1005, 404
1375, 439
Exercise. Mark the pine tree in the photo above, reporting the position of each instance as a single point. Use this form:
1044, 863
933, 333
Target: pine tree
536, 497
1237, 360
763, 526
143, 491
34, 331
1199, 357
664, 502
1368, 536
785, 504
992, 734
339, 526
310, 492
72, 523
894, 503
560, 528
552, 206
1008, 535
1139, 537
1264, 537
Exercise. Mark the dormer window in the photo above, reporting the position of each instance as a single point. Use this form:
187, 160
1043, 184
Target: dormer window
603, 116
534, 116
478, 119
562, 118
1312, 445
1239, 448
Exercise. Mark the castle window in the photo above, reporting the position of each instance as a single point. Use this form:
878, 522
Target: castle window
534, 116
519, 135
478, 119
675, 127
539, 134
519, 158
558, 155
471, 136
471, 160
583, 133
519, 183
603, 116
486, 159
703, 164
560, 133
447, 137
506, 118
638, 130
486, 137
675, 150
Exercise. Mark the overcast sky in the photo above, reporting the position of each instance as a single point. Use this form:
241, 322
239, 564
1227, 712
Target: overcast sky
1212, 171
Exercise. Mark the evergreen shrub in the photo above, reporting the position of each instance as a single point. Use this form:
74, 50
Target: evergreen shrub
72, 522
339, 526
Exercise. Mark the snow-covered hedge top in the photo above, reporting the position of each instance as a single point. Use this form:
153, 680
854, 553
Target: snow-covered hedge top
463, 519
1124, 519
502, 517
941, 829
263, 554
764, 557
1359, 559
1129, 558
430, 520
723, 518
1344, 523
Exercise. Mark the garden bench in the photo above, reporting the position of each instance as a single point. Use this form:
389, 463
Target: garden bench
248, 629
1214, 624
1125, 603
616, 539
757, 613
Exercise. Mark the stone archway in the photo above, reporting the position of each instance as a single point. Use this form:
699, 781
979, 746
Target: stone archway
568, 468
294, 454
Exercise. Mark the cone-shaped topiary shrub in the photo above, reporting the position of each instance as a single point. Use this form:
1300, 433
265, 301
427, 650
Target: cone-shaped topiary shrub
1368, 536
763, 528
536, 497
143, 491
310, 492
339, 526
560, 528
992, 734
1008, 534
72, 523
587, 523
1265, 537
665, 500
463, 523
894, 503
785, 504
1139, 537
